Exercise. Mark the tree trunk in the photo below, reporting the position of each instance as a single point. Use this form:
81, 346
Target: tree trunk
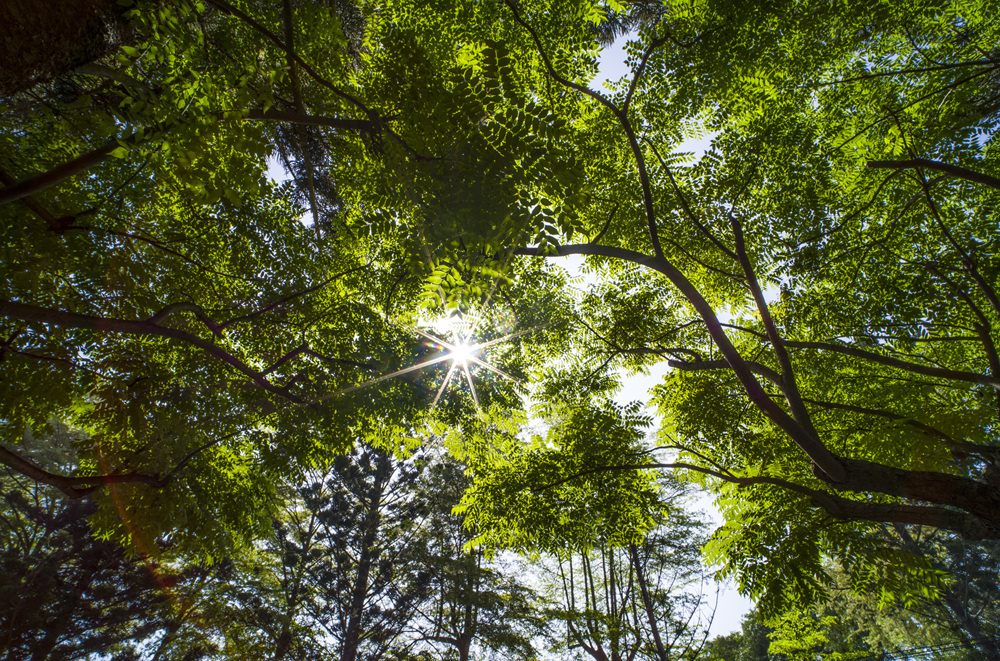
647, 603
352, 636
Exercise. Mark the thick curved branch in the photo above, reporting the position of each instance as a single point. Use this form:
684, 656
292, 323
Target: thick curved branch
970, 525
953, 170
820, 455
80, 486
35, 207
73, 487
58, 174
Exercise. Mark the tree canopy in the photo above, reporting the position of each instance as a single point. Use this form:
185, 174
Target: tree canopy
821, 283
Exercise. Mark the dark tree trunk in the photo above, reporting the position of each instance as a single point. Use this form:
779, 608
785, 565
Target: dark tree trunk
647, 603
352, 636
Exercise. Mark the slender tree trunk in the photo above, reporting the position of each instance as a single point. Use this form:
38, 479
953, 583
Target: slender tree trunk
647, 603
352, 636
464, 644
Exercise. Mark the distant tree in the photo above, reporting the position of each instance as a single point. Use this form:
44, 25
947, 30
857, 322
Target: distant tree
334, 578
958, 622
645, 600
750, 643
967, 607
64, 593
472, 607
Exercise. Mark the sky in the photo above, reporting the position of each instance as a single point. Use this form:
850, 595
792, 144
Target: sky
731, 606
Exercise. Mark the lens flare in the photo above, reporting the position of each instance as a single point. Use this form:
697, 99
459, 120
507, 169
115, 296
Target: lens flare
461, 353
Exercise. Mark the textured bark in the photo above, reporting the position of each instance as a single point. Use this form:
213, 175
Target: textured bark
977, 498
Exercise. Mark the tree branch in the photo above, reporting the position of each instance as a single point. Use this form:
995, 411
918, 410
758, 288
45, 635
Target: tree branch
809, 443
916, 368
58, 174
790, 388
273, 38
620, 115
953, 170
722, 364
48, 316
900, 72
73, 487
274, 115
970, 525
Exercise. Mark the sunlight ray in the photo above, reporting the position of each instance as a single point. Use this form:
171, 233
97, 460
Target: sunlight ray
444, 384
495, 370
472, 386
384, 377
462, 353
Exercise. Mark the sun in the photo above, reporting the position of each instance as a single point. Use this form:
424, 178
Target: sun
462, 353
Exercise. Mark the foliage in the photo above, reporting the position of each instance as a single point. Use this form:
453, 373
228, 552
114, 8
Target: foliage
645, 601
853, 378
822, 282
64, 593
163, 297
539, 495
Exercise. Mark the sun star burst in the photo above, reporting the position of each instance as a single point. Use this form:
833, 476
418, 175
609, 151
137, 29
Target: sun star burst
462, 354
